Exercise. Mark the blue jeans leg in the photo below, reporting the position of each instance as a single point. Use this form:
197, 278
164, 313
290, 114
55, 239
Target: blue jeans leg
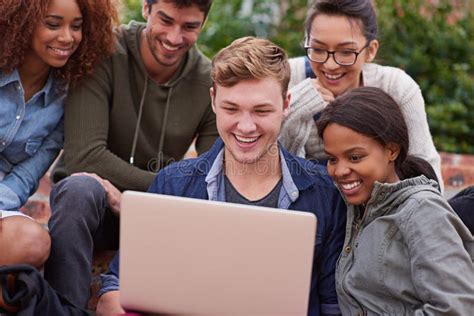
80, 223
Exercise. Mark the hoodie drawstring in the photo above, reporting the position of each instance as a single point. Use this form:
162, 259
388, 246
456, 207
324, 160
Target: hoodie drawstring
163, 129
137, 126
163, 125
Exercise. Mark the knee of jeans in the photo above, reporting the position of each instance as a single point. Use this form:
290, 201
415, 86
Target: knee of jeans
77, 191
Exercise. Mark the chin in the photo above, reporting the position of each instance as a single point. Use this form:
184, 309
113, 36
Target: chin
355, 200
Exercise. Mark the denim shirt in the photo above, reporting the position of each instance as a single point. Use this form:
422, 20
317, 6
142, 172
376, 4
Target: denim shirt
306, 187
31, 135
409, 254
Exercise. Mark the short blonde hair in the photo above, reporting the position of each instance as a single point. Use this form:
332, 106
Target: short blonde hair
250, 58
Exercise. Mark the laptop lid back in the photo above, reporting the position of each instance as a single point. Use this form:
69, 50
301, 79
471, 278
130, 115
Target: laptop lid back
196, 257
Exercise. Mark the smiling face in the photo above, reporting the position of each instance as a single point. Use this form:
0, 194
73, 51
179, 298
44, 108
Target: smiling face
171, 31
249, 117
58, 35
339, 33
357, 161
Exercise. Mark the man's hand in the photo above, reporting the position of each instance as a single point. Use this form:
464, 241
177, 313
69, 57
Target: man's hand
109, 304
114, 196
327, 95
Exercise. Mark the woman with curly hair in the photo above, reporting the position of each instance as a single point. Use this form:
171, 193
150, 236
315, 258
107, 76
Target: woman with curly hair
46, 46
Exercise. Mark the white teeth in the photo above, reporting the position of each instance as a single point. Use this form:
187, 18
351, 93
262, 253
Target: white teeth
168, 47
350, 186
333, 77
60, 51
246, 139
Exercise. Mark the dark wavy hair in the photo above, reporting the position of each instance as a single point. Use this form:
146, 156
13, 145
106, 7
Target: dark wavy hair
360, 10
19, 18
203, 5
373, 113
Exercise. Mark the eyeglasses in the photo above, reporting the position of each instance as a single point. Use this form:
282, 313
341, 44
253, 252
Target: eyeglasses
341, 57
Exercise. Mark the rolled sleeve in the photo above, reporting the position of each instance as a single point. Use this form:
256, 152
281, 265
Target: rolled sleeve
110, 280
24, 177
10, 200
110, 283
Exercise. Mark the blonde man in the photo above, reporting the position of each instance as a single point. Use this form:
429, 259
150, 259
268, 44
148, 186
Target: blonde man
248, 166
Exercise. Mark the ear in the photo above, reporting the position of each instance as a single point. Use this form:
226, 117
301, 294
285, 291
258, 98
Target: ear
286, 104
372, 50
392, 150
212, 92
145, 9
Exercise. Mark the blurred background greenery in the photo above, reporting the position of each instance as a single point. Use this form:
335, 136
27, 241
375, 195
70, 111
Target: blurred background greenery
432, 40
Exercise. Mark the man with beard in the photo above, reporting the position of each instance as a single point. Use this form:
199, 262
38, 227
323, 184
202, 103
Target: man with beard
139, 111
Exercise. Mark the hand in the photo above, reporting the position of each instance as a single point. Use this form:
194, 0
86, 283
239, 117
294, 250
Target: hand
114, 196
326, 94
109, 304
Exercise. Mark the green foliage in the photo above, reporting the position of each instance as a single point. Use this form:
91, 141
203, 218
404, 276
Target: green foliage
435, 46
431, 43
228, 21
133, 11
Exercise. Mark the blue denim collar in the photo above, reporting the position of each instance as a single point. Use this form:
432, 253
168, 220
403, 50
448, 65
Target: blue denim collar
215, 178
8, 78
46, 93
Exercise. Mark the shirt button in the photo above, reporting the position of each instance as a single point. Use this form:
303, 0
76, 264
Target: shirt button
294, 194
347, 249
4, 143
18, 117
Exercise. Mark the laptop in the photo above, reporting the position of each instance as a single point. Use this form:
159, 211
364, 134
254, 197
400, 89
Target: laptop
186, 256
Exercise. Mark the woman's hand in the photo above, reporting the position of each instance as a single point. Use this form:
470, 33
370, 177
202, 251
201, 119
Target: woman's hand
327, 95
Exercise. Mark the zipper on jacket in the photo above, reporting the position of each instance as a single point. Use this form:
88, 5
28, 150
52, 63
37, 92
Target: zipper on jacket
356, 226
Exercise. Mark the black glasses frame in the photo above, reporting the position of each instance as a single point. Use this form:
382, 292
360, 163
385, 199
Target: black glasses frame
329, 53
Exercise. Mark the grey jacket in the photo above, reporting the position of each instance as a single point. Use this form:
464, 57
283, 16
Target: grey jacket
409, 254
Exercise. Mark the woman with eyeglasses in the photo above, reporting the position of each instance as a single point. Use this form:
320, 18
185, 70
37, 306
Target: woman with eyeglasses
341, 43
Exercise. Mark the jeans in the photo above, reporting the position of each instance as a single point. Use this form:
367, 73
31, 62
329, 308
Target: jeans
80, 223
34, 295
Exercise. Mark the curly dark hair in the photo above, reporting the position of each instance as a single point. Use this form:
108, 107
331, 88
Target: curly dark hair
19, 18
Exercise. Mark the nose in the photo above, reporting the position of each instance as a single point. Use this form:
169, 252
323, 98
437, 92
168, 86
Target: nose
246, 124
341, 170
66, 36
331, 63
174, 36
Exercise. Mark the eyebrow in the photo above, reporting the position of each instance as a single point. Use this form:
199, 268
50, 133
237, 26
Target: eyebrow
340, 44
348, 151
59, 17
262, 105
167, 17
